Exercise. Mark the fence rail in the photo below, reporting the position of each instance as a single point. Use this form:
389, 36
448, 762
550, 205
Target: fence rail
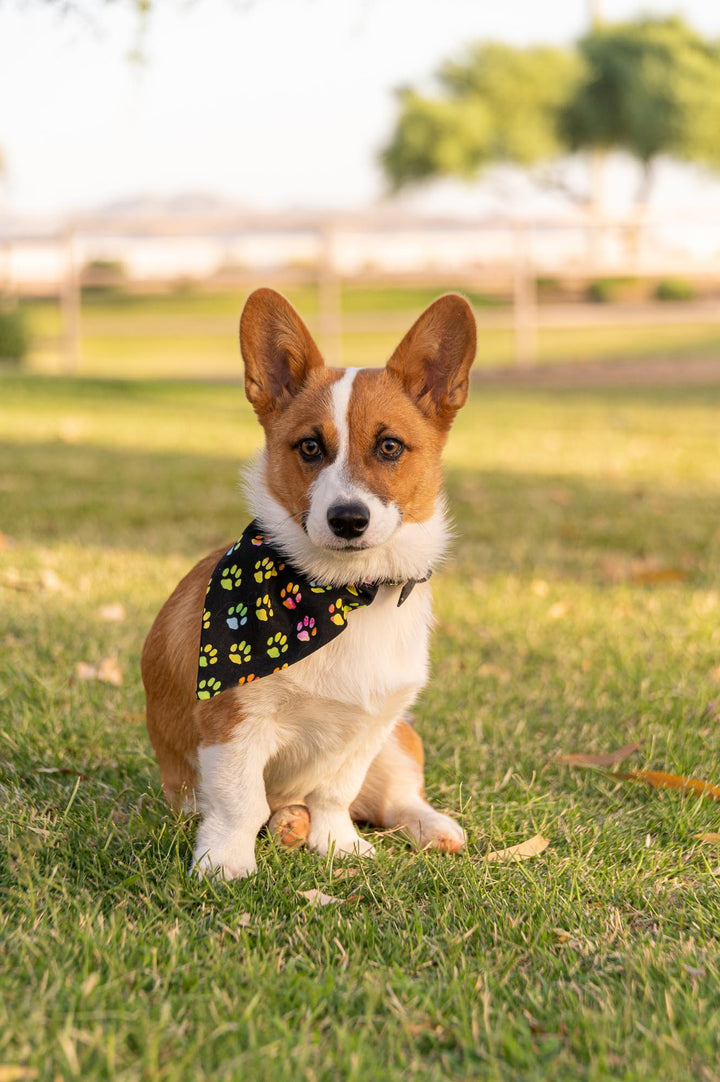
507, 258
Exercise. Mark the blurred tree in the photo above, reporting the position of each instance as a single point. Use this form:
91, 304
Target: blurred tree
651, 87
498, 104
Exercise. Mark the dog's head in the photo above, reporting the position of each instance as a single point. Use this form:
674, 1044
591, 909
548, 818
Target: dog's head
350, 484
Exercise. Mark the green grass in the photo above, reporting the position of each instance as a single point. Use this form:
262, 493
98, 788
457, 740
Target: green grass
194, 335
598, 960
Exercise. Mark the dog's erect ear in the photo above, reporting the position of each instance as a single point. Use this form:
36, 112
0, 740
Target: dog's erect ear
434, 358
277, 349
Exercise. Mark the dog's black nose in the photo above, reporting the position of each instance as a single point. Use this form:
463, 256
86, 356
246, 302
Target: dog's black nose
348, 519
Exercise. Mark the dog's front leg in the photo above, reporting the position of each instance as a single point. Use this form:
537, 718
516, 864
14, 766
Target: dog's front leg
329, 805
233, 802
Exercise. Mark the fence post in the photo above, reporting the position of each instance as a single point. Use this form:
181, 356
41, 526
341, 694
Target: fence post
70, 306
329, 287
524, 300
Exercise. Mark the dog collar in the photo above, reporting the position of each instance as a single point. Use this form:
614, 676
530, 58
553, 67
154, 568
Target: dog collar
262, 615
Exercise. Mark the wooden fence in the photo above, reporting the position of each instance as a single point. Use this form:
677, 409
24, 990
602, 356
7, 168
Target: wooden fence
529, 252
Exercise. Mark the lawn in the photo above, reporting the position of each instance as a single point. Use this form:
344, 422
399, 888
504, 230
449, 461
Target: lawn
579, 612
194, 334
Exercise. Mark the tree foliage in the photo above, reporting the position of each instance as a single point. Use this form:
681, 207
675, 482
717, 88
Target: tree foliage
649, 87
497, 103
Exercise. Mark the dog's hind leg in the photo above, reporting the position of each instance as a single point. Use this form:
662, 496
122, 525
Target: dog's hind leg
178, 778
393, 795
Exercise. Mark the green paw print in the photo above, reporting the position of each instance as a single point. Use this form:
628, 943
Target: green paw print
265, 569
239, 652
231, 577
277, 645
263, 608
206, 619
338, 613
207, 688
208, 656
318, 588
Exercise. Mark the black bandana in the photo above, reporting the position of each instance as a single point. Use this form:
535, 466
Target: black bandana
261, 614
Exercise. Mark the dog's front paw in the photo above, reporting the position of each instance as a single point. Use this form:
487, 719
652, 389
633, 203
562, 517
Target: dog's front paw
341, 838
223, 859
209, 867
355, 847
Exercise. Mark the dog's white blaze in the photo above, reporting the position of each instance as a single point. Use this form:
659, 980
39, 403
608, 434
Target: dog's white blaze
334, 484
341, 391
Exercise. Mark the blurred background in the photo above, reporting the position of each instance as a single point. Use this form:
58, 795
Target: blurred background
560, 166
559, 163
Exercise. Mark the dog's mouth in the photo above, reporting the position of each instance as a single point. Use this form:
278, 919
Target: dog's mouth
349, 546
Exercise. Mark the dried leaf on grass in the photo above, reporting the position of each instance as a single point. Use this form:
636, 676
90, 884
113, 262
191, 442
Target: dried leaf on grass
533, 847
108, 671
11, 1073
70, 770
113, 613
599, 759
318, 898
51, 581
644, 571
712, 837
658, 779
651, 575
48, 580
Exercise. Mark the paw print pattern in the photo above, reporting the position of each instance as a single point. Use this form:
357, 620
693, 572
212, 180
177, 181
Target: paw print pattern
277, 645
318, 588
239, 653
246, 679
306, 629
264, 569
207, 688
291, 595
206, 619
263, 608
258, 539
337, 612
236, 616
208, 656
231, 577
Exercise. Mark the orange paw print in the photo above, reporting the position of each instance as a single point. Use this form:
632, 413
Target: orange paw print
291, 595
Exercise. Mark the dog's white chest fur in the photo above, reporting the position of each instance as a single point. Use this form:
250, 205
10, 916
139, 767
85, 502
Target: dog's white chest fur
342, 701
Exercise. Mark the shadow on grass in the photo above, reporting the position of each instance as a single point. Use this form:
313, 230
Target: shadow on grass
164, 503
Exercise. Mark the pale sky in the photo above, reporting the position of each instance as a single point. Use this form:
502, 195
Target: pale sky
268, 103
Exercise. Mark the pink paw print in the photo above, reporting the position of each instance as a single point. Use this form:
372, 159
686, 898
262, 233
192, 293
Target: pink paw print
306, 629
291, 595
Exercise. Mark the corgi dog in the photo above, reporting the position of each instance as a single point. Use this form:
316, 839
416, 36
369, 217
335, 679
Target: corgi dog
308, 730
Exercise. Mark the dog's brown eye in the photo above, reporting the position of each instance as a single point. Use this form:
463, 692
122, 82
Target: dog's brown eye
390, 448
311, 450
